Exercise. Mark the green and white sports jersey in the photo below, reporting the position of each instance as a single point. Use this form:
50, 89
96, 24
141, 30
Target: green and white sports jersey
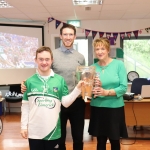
44, 99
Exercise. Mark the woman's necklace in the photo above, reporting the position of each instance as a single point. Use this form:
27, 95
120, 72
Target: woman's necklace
103, 68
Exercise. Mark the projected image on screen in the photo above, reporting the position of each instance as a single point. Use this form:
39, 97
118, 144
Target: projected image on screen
17, 51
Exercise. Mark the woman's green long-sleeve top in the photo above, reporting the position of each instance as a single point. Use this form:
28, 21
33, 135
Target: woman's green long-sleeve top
113, 76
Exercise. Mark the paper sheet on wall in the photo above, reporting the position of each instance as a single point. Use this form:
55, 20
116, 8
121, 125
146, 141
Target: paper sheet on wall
113, 52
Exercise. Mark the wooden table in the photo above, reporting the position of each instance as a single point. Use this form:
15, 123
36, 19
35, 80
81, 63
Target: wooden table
137, 112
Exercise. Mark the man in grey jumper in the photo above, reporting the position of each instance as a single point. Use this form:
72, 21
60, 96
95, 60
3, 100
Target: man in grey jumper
66, 60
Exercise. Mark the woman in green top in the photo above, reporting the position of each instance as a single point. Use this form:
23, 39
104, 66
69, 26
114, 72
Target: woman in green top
107, 106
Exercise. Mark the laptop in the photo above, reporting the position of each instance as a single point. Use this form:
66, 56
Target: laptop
145, 91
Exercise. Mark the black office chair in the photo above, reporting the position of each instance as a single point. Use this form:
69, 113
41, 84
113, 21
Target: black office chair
14, 95
137, 85
136, 88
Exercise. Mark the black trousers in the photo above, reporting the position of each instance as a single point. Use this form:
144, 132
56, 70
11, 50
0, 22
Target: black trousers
38, 144
75, 113
101, 143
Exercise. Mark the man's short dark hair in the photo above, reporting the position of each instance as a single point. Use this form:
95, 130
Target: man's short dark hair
68, 26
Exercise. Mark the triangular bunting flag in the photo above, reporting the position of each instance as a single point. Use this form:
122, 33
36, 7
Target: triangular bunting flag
128, 35
87, 32
57, 23
50, 19
94, 34
64, 23
112, 40
147, 30
101, 34
140, 31
115, 35
122, 35
136, 34
108, 35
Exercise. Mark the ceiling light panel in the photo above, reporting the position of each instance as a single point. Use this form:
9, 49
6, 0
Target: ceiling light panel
87, 2
4, 4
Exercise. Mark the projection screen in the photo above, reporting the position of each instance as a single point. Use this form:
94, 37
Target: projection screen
18, 44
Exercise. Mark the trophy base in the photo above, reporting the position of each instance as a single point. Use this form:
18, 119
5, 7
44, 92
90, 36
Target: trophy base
87, 98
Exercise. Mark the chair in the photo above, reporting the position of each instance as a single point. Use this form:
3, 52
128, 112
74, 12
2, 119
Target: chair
14, 95
137, 85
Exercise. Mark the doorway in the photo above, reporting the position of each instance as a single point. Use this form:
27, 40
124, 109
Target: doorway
82, 45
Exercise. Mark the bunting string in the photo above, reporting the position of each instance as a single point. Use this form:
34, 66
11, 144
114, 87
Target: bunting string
110, 35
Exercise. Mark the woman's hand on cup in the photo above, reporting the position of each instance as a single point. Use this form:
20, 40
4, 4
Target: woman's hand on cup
97, 82
98, 91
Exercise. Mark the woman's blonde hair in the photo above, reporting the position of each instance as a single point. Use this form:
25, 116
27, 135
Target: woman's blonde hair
102, 41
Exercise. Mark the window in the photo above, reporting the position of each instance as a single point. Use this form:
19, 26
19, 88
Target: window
137, 55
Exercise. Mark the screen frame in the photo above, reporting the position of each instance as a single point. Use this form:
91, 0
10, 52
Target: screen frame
30, 26
32, 70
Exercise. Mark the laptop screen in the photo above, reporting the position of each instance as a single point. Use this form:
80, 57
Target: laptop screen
145, 92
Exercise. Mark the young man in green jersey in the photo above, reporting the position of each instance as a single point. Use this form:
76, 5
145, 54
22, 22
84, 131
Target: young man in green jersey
66, 60
41, 104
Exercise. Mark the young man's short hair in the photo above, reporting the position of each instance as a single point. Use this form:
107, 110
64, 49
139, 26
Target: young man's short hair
44, 48
68, 26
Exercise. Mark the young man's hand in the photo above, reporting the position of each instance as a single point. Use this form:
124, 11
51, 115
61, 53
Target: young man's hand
24, 133
80, 84
23, 87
